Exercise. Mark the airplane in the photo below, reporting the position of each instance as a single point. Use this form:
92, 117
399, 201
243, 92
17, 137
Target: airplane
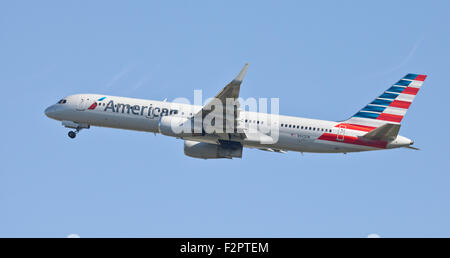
374, 127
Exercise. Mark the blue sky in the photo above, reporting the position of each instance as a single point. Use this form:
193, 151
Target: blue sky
323, 60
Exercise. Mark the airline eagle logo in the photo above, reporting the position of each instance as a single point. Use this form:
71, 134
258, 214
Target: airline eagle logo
94, 105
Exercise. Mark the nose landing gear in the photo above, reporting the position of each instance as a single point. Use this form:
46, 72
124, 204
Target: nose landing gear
76, 126
72, 134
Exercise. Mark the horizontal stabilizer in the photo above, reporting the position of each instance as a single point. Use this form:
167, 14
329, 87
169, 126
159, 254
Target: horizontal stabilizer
386, 132
413, 148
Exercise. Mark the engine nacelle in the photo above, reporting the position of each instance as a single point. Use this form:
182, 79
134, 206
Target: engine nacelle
203, 150
175, 126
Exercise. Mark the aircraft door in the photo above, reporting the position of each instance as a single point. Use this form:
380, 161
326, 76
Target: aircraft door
82, 105
341, 133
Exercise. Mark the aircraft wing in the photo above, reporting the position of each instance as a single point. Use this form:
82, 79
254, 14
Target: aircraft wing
227, 114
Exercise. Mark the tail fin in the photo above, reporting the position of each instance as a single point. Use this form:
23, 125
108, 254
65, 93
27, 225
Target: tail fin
390, 107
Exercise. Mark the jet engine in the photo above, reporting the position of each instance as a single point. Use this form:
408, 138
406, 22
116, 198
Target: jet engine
175, 126
203, 150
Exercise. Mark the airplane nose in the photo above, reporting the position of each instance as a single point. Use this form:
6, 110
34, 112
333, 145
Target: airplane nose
50, 111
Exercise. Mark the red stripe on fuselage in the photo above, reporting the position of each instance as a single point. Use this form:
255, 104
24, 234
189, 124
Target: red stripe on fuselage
400, 104
353, 140
410, 90
389, 117
364, 128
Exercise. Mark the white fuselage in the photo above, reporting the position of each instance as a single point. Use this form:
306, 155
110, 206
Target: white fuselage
295, 133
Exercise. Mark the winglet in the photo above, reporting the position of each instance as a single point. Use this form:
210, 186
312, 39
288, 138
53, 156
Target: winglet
241, 74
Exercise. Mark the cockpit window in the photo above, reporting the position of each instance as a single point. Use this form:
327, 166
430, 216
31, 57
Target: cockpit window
63, 101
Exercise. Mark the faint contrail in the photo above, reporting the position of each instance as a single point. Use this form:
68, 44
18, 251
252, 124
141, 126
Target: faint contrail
117, 77
146, 78
141, 82
408, 57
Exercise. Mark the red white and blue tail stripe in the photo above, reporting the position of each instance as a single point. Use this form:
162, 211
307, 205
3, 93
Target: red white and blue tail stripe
389, 107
